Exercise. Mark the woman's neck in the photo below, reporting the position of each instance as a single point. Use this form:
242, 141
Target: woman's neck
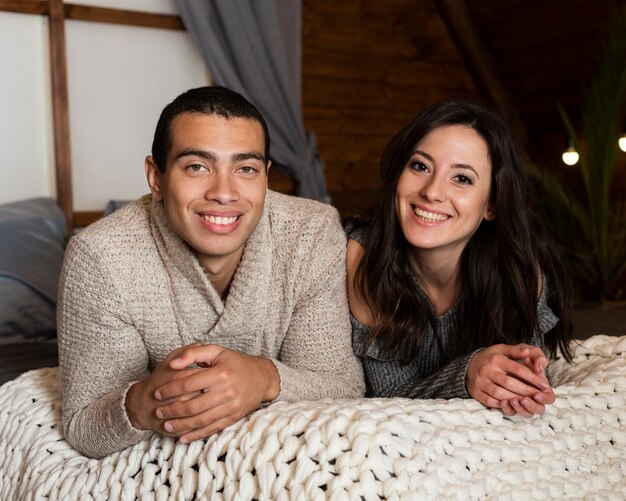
439, 277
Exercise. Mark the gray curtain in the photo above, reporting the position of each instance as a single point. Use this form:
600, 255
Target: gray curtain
254, 48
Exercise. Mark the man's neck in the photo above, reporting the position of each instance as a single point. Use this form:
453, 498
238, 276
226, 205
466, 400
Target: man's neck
221, 270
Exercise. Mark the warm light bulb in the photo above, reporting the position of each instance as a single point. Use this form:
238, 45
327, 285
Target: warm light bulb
570, 157
622, 143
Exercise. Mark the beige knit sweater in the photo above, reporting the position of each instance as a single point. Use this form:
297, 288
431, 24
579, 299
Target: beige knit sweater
132, 291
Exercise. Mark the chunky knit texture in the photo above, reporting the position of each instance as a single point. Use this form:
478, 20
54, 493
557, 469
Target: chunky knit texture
427, 376
364, 449
132, 291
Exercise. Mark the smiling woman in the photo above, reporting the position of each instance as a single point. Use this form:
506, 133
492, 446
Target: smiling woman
443, 192
454, 288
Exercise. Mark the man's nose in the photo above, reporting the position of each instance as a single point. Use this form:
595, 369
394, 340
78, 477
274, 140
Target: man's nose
222, 188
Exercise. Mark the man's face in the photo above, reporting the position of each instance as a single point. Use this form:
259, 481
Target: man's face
214, 185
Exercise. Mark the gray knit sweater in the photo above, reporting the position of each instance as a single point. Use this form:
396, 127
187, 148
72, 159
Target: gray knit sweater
132, 291
427, 376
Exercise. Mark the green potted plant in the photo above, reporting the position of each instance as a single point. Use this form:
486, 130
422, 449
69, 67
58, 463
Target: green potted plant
591, 231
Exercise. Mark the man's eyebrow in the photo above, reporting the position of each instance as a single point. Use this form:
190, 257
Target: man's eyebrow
190, 152
456, 166
239, 157
212, 157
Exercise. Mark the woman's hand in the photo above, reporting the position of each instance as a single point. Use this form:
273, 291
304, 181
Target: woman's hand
510, 378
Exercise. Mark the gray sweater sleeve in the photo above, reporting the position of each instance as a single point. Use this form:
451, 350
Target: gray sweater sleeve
448, 382
387, 378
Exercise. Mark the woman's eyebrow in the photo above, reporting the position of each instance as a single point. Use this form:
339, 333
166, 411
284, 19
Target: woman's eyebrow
455, 166
466, 166
424, 154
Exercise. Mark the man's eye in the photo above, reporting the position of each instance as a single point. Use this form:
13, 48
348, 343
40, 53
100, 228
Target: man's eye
246, 169
195, 167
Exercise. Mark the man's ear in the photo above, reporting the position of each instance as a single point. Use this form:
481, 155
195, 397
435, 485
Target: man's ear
267, 172
154, 178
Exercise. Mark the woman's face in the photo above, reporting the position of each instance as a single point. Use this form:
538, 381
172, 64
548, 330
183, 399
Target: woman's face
442, 195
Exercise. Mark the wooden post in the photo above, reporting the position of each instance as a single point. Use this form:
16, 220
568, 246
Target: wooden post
60, 111
481, 64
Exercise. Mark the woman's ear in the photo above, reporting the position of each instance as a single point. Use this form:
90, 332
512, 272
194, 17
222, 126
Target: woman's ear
490, 215
154, 178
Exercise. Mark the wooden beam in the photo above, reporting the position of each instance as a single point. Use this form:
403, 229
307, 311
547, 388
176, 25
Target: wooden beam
125, 17
481, 64
96, 14
58, 12
82, 219
60, 111
24, 6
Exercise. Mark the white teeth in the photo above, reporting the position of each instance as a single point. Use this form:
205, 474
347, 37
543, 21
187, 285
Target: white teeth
429, 216
220, 219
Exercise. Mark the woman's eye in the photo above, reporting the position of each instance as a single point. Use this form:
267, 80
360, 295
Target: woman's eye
419, 166
463, 179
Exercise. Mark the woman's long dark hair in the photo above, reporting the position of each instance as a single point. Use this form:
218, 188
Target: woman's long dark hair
500, 268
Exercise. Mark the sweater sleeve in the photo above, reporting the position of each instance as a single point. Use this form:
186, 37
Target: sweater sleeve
316, 359
387, 378
101, 355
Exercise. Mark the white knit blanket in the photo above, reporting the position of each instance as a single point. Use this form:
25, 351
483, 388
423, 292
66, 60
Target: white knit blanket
348, 449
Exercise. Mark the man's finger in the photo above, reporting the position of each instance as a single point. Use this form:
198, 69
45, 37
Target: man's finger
197, 380
193, 407
196, 354
202, 420
207, 431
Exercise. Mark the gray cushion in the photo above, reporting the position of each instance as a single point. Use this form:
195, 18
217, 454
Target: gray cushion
33, 236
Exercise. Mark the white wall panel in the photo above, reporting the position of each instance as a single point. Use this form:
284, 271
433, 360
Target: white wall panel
26, 154
120, 78
153, 6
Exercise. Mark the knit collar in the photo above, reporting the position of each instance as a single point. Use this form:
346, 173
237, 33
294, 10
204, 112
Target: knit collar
196, 302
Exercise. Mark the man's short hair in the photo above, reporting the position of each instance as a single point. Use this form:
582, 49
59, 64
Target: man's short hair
210, 100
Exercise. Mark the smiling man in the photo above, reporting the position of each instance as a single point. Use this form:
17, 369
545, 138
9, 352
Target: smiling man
186, 310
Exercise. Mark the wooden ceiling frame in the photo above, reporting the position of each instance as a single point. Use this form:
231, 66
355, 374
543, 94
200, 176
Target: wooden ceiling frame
58, 12
481, 65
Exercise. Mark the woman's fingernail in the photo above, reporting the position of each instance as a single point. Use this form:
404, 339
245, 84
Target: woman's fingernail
515, 403
539, 398
168, 426
543, 385
159, 413
157, 395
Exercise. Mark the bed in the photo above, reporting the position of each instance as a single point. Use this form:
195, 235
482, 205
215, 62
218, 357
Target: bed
33, 235
369, 449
